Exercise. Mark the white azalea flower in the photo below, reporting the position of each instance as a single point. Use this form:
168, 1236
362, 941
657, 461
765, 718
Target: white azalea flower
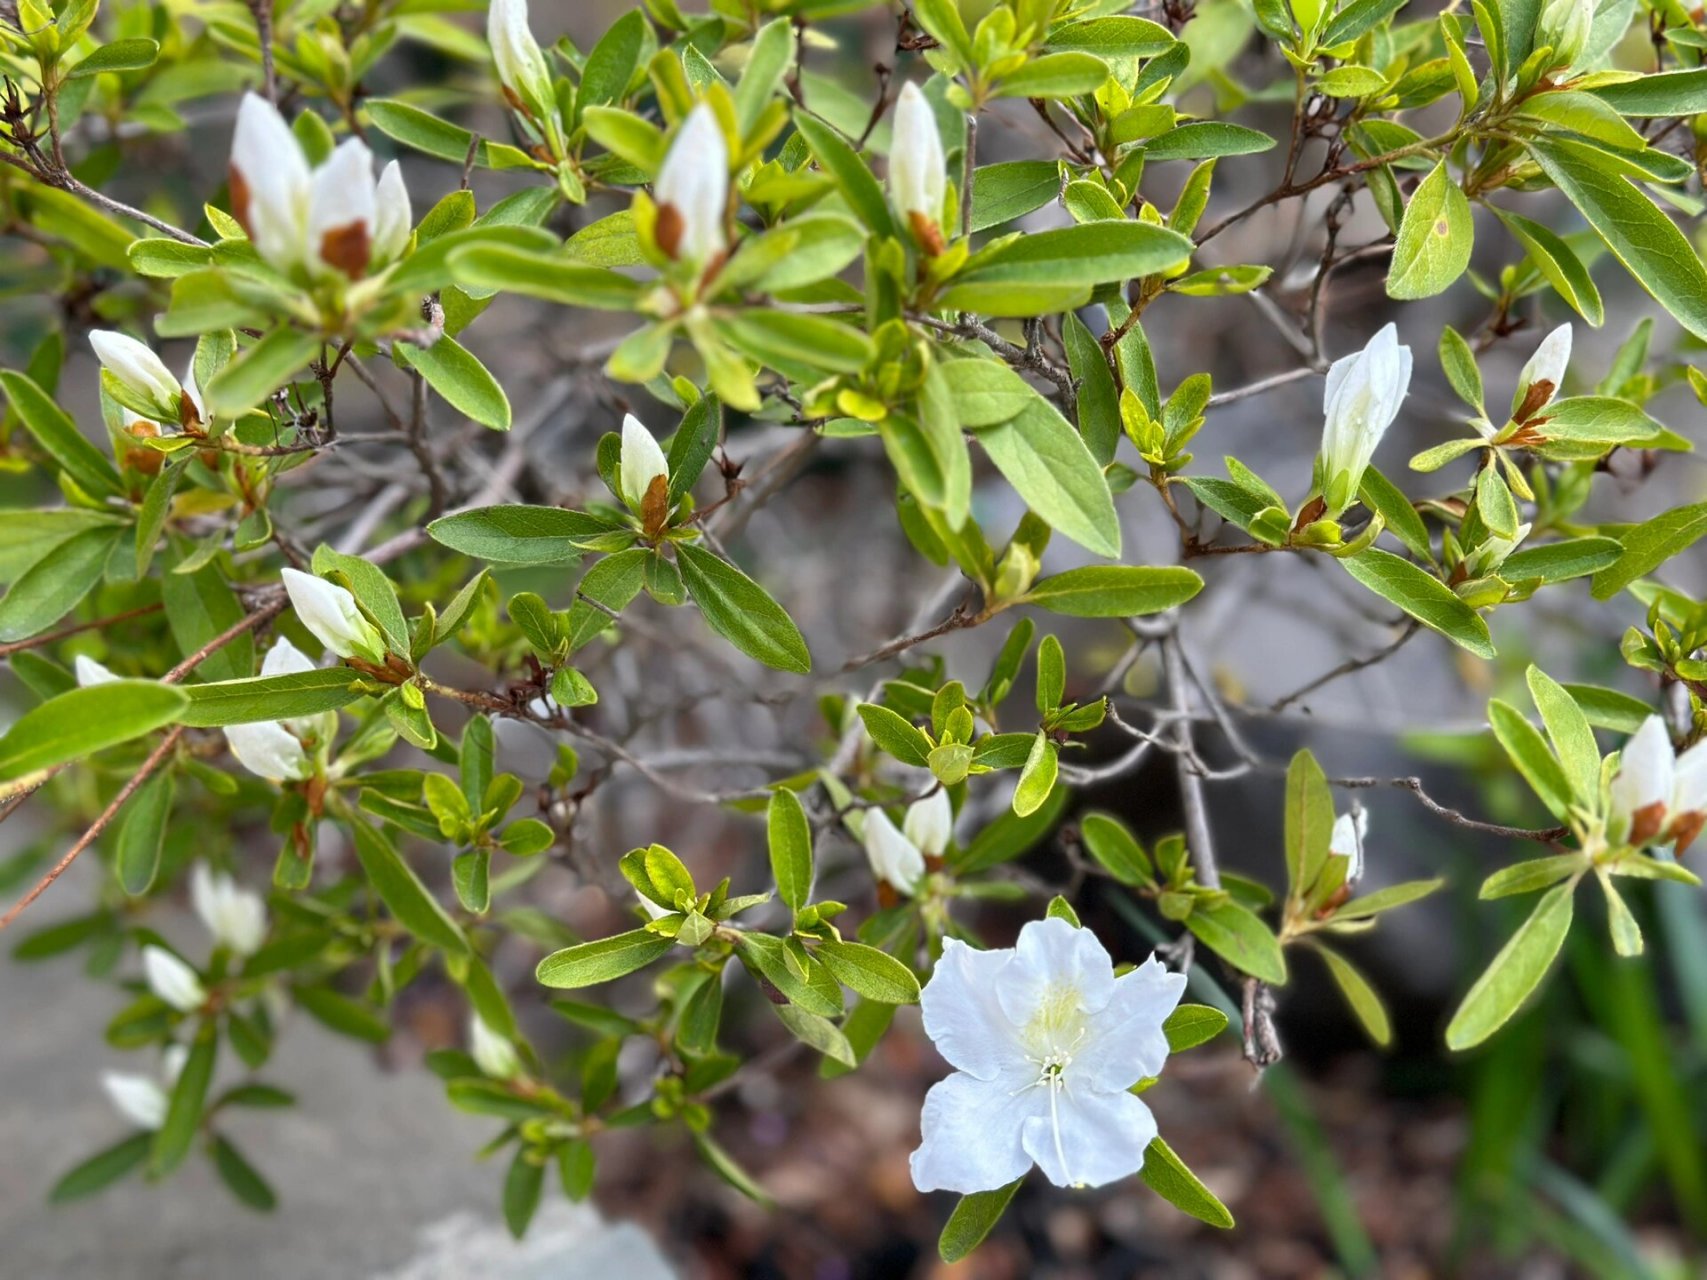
330, 220
236, 917
1360, 402
917, 171
894, 858
1546, 365
1046, 1042
172, 980
89, 672
330, 612
640, 462
692, 190
1658, 797
1346, 841
929, 823
135, 365
492, 1053
521, 65
141, 1099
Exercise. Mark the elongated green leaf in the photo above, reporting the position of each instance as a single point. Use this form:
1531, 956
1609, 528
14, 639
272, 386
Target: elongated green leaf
1649, 545
1515, 972
286, 697
201, 607
1165, 1174
555, 277
741, 611
1238, 936
49, 589
81, 722
874, 974
849, 172
142, 834
1115, 591
102, 1169
258, 372
1434, 241
241, 1177
1309, 821
973, 1219
1422, 595
1037, 776
790, 836
416, 128
1530, 754
453, 371
1190, 1025
1048, 464
397, 885
59, 437
1116, 849
1362, 997
589, 963
177, 1134
518, 534
1569, 730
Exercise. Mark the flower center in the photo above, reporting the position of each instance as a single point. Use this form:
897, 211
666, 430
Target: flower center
1052, 1036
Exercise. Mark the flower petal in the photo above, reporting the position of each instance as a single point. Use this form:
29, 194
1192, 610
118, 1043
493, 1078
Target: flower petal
1127, 1043
961, 1013
1101, 1137
1052, 957
970, 1134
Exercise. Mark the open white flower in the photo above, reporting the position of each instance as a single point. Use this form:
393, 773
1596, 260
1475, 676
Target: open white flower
143, 1100
917, 171
89, 672
172, 980
521, 64
929, 823
1046, 1042
692, 190
334, 219
1360, 402
236, 917
1542, 377
330, 612
492, 1053
1658, 797
894, 858
640, 462
1346, 841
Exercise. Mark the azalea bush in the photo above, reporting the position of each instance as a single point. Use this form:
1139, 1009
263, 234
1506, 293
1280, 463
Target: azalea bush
283, 589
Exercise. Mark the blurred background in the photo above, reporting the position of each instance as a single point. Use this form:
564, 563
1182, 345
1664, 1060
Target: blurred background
1574, 1144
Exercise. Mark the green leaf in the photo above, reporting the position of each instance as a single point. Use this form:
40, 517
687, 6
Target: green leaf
1309, 822
1206, 140
121, 55
1357, 18
792, 337
896, 734
1558, 264
416, 128
397, 885
1049, 466
850, 174
1116, 850
1386, 499
610, 66
241, 1177
59, 437
1663, 93
589, 963
184, 1108
1647, 242
1011, 189
1066, 257
874, 974
1569, 730
341, 1014
1609, 708
1559, 561
726, 1167
790, 836
102, 1169
1435, 239
1515, 972
740, 611
466, 385
1190, 1025
1530, 875
1010, 835
526, 1177
1530, 754
973, 1219
1649, 545
1054, 75
142, 834
1423, 596
51, 587
1165, 1174
1037, 778
1238, 936
258, 372
1362, 998
518, 534
553, 276
817, 1032
81, 722
287, 697
199, 608
1114, 591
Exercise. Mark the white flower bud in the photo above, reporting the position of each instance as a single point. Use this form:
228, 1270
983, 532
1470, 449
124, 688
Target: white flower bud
917, 170
330, 612
172, 980
234, 916
492, 1053
89, 672
1360, 402
137, 1098
640, 462
269, 750
692, 190
1565, 25
393, 216
894, 858
929, 824
1346, 841
137, 367
1642, 789
521, 65
341, 210
1547, 366
269, 183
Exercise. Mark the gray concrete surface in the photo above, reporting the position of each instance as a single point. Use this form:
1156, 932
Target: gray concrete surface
374, 1171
